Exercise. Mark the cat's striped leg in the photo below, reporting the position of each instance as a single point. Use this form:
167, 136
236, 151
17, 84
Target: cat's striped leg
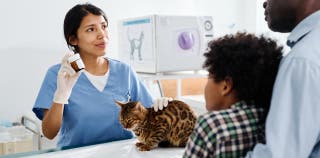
154, 139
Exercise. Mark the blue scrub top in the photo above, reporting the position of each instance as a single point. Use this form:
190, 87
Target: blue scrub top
91, 116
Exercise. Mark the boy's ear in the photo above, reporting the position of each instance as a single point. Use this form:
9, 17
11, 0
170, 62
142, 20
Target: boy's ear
227, 86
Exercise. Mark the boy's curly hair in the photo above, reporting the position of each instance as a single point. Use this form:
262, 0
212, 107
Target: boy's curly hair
251, 62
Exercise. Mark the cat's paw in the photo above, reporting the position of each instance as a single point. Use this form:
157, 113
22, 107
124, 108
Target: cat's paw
139, 144
144, 148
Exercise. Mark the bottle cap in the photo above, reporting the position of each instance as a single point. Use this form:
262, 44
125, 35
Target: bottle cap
74, 58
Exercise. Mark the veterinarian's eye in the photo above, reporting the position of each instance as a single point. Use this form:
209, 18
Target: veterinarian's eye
104, 26
89, 29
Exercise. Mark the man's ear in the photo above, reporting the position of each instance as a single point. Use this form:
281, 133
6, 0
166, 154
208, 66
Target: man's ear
73, 40
227, 86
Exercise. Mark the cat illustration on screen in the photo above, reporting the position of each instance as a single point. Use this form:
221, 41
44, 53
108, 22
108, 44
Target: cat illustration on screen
136, 45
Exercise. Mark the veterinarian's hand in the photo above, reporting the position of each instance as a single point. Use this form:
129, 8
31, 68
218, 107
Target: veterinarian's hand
160, 103
66, 79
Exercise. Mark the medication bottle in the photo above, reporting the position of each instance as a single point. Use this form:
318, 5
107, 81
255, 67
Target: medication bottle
76, 62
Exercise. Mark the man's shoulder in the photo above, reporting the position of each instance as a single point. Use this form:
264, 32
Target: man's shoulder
306, 51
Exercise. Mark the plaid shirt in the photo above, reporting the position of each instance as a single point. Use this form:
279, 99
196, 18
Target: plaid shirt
227, 133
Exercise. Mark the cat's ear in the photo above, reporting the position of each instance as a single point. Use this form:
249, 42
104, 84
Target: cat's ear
119, 103
139, 106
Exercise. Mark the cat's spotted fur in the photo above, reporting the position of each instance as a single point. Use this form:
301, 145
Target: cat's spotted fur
171, 126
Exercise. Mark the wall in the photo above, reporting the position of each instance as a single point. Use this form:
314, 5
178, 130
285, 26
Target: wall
31, 37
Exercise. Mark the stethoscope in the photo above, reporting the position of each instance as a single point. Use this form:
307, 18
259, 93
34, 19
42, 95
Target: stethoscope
128, 93
128, 96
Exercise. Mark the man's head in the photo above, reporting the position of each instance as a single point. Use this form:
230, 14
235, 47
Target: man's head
284, 15
241, 67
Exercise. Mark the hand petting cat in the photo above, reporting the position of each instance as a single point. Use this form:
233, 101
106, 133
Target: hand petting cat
160, 103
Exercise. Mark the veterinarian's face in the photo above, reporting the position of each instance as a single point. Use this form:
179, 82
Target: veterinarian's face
213, 95
92, 35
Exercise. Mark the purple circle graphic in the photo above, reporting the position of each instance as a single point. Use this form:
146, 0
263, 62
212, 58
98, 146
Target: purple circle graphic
186, 40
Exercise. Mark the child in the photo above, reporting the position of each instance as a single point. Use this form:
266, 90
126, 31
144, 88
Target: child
242, 70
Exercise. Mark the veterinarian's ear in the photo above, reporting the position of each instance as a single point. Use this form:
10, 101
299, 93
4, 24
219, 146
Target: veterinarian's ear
119, 103
73, 40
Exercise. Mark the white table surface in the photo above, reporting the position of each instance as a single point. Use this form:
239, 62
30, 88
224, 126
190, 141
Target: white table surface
117, 149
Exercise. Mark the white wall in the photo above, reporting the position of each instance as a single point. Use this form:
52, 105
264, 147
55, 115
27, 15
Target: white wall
31, 37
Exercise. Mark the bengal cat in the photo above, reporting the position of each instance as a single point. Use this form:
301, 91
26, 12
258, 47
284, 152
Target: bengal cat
170, 127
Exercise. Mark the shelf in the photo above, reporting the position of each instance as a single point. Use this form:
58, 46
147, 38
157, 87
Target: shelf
173, 75
145, 77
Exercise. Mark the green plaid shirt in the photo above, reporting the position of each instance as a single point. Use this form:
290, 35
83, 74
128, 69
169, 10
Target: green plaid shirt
229, 133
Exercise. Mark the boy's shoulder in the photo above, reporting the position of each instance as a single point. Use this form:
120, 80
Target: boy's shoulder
232, 118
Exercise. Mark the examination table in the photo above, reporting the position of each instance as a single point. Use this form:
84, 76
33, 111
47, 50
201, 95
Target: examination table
116, 149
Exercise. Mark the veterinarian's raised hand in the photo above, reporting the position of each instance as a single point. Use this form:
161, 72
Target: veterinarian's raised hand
160, 103
66, 79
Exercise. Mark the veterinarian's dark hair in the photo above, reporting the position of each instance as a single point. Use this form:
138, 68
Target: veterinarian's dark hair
73, 20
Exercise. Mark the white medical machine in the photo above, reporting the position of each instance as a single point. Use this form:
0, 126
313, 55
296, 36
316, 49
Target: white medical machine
158, 43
